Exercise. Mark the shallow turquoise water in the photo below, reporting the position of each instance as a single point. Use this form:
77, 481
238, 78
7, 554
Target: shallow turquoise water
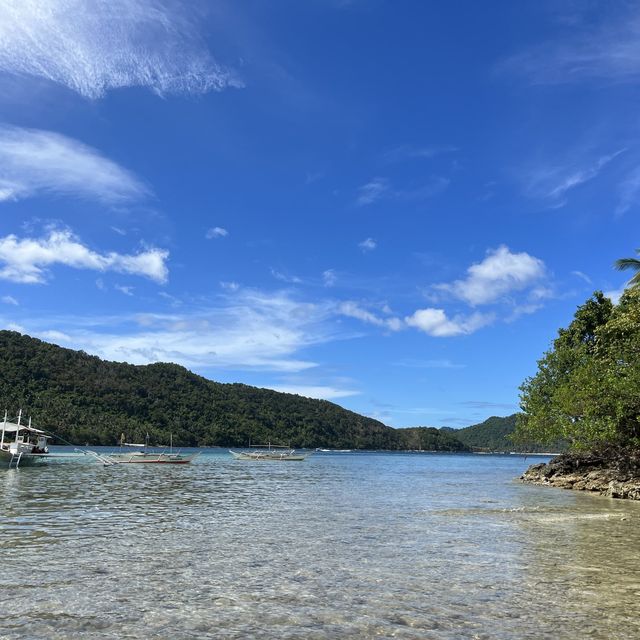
359, 545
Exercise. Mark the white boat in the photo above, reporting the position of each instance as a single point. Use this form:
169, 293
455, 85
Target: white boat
22, 444
269, 452
149, 457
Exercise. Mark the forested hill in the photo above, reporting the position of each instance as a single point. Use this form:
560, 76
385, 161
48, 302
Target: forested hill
86, 399
494, 435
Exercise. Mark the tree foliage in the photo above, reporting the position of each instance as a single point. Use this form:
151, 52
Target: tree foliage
85, 399
586, 387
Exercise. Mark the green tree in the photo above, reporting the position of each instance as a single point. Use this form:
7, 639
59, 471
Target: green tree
586, 387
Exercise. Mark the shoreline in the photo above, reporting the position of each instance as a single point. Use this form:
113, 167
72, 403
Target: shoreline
613, 474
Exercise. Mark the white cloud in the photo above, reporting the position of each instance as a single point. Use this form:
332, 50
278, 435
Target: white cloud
499, 274
329, 277
33, 161
249, 330
372, 191
230, 286
216, 232
93, 46
354, 310
435, 322
318, 392
614, 295
368, 245
9, 300
27, 260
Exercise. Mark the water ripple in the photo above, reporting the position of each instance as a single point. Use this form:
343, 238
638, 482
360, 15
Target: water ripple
350, 545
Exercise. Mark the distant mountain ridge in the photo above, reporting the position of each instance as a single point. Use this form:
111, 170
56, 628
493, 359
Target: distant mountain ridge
85, 399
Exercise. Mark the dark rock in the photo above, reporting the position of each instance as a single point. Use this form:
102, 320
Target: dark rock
611, 472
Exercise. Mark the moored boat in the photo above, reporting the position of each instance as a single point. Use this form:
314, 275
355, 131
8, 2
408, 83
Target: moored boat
21, 444
270, 452
149, 457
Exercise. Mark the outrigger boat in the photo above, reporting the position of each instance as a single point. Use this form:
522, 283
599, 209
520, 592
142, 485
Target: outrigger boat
269, 452
149, 457
22, 444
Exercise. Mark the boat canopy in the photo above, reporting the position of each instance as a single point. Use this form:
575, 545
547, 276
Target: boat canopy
12, 427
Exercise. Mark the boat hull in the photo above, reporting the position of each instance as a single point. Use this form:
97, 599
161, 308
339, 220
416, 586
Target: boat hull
268, 455
151, 458
9, 459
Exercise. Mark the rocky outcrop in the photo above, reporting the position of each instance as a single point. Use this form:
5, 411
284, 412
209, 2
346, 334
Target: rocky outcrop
611, 473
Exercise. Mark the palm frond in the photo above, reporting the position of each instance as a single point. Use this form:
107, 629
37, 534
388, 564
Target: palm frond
627, 263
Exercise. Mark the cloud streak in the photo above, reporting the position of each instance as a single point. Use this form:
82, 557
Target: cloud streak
93, 46
552, 182
28, 260
609, 53
34, 161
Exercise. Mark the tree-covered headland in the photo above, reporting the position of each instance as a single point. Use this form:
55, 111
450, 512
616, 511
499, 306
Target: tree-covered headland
587, 386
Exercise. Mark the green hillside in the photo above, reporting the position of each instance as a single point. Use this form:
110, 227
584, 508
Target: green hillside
86, 399
493, 435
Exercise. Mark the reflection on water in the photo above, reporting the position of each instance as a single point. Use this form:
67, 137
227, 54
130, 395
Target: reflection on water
341, 545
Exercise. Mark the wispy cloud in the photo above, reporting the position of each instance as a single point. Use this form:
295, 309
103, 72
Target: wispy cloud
607, 53
500, 273
628, 191
553, 182
91, 46
320, 392
216, 232
436, 323
285, 277
412, 152
128, 291
10, 300
28, 260
33, 161
382, 189
369, 244
484, 404
329, 277
415, 363
582, 276
372, 191
244, 330
355, 310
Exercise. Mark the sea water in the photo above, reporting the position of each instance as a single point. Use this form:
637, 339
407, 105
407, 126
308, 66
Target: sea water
342, 545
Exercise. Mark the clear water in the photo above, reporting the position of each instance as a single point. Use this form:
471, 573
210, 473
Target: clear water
338, 546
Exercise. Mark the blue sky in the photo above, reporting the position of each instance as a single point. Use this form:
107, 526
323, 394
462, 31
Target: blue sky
390, 205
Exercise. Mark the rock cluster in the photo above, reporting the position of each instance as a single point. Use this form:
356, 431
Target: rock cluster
608, 475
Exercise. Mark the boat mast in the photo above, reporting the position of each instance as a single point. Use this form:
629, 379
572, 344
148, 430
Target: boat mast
4, 425
18, 429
